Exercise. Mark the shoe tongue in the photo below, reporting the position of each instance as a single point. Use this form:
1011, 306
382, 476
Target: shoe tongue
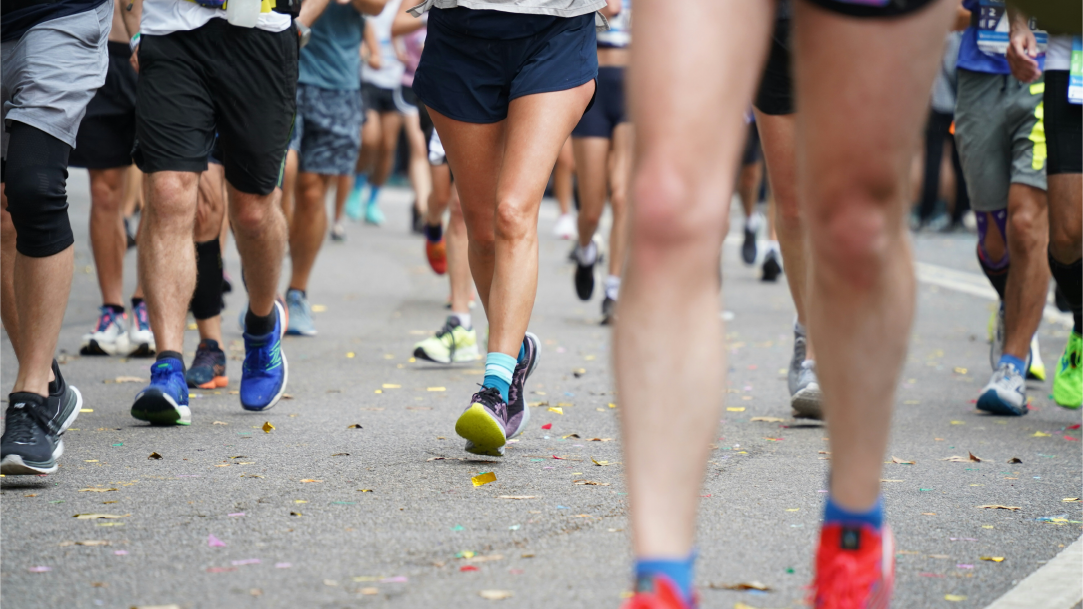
208, 344
453, 321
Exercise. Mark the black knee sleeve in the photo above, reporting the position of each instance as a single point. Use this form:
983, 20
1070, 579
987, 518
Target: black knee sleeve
35, 182
207, 298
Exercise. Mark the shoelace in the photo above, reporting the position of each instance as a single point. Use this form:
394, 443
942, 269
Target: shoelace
21, 422
141, 317
259, 358
491, 398
107, 317
845, 582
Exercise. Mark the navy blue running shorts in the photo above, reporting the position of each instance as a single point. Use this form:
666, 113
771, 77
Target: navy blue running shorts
872, 8
608, 109
476, 61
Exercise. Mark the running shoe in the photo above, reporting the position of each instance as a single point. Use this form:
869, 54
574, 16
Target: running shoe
806, 399
129, 236
484, 423
997, 332
300, 317
855, 568
338, 232
278, 299
1068, 381
33, 427
373, 214
208, 369
518, 413
109, 336
165, 400
1006, 393
354, 207
658, 593
771, 268
436, 252
748, 247
566, 227
584, 280
1035, 365
417, 220
451, 344
264, 372
140, 337
609, 311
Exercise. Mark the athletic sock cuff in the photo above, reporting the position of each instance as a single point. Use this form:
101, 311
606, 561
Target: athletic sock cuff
836, 514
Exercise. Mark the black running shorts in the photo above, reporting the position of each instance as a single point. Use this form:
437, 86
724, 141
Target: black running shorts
1063, 126
107, 132
237, 82
775, 95
872, 8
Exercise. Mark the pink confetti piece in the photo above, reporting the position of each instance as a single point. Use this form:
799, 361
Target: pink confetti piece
964, 566
516, 571
235, 514
283, 565
220, 569
399, 579
121, 552
246, 561
214, 542
40, 569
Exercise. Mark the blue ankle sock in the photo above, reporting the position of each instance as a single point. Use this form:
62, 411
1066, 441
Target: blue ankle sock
1019, 365
679, 571
522, 353
836, 514
374, 193
359, 181
498, 370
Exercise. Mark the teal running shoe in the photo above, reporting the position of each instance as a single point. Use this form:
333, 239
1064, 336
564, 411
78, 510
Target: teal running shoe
373, 214
165, 400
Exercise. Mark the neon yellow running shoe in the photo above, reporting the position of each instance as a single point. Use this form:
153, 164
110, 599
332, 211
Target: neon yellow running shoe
1035, 367
452, 344
1068, 382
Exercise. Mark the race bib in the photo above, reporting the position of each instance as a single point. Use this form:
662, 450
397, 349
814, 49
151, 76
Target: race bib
1075, 76
993, 31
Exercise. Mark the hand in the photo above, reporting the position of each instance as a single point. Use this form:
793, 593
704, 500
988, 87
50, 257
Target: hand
374, 61
135, 59
1022, 50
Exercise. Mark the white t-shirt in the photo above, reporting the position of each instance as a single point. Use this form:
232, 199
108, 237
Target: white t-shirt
1058, 56
162, 17
389, 76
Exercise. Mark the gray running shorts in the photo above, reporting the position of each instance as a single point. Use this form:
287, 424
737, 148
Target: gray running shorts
1000, 135
50, 74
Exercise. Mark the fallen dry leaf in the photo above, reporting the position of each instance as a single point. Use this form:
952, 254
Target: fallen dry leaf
307, 480
767, 420
957, 459
486, 558
154, 456
578, 372
901, 461
96, 516
589, 483
96, 490
571, 435
1015, 460
219, 423
340, 454
370, 591
355, 426
600, 440
599, 463
88, 542
998, 507
752, 585
495, 595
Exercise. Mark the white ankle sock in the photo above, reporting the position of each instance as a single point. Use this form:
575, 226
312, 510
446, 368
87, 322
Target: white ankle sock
464, 319
612, 286
587, 255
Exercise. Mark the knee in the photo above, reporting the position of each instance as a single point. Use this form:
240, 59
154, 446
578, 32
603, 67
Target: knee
1066, 237
670, 210
514, 220
250, 216
105, 194
1025, 229
172, 196
850, 234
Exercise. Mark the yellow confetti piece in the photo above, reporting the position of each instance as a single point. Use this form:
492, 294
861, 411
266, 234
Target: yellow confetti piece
793, 509
495, 595
351, 355
193, 326
556, 409
436, 389
1040, 434
736, 409
378, 391
86, 410
589, 358
960, 370
483, 479
987, 526
992, 558
1070, 499
90, 460
392, 386
267, 427
316, 308
955, 598
958, 422
412, 360
612, 405
300, 501
389, 356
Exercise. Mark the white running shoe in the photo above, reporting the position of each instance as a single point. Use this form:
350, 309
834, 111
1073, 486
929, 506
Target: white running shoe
1006, 393
140, 338
566, 227
109, 336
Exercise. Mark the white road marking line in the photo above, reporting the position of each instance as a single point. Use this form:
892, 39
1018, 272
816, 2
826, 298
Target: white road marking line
1057, 585
976, 285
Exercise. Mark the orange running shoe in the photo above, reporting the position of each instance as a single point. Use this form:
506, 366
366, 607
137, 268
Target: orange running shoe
855, 568
658, 593
436, 252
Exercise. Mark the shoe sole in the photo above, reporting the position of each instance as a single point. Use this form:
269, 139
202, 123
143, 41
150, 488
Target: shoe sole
469, 354
216, 383
93, 347
285, 372
990, 402
157, 408
301, 332
479, 428
808, 404
142, 350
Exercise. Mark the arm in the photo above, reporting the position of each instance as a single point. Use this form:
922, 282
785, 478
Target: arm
368, 7
405, 23
612, 9
962, 19
132, 13
369, 42
311, 11
1022, 48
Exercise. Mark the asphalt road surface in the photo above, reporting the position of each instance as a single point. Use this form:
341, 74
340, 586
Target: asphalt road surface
318, 513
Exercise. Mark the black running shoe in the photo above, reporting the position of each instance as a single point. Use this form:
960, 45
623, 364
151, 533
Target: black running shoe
129, 236
584, 280
484, 423
208, 370
609, 311
31, 443
748, 248
771, 268
417, 221
518, 413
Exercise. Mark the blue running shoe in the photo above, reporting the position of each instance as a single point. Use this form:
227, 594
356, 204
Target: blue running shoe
165, 400
264, 372
300, 319
353, 204
373, 214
